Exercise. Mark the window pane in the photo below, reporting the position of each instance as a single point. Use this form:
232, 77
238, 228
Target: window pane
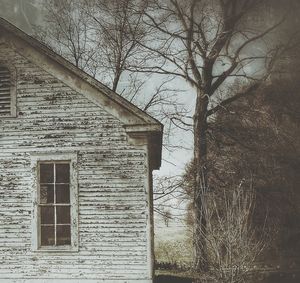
63, 214
47, 236
47, 214
63, 235
46, 173
62, 194
62, 173
46, 194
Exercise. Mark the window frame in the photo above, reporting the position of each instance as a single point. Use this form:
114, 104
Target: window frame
13, 89
36, 159
53, 205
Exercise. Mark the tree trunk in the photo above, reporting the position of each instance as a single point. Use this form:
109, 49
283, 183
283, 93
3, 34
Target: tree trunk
116, 80
200, 155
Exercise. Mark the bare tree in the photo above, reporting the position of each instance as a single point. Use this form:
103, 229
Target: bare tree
67, 31
207, 44
232, 240
257, 140
169, 197
103, 38
117, 29
98, 36
167, 216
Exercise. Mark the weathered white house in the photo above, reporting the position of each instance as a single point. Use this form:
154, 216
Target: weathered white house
76, 165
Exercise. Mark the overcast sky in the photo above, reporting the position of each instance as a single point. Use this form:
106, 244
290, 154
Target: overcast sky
25, 13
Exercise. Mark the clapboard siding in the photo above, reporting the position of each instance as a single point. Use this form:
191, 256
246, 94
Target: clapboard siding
113, 239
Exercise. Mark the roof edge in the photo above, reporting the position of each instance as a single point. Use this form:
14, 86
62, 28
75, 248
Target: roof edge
147, 127
80, 73
152, 133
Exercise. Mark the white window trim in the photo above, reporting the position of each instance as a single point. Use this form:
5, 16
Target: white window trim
13, 89
36, 158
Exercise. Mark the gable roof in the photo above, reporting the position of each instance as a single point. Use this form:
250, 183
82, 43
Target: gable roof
137, 123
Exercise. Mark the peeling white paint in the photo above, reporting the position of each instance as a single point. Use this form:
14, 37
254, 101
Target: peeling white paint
114, 219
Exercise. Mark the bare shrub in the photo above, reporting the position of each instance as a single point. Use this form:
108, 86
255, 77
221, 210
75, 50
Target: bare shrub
233, 243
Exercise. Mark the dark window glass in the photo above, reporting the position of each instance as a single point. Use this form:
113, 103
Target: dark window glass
47, 236
62, 173
47, 173
55, 208
63, 215
62, 194
46, 194
47, 215
63, 235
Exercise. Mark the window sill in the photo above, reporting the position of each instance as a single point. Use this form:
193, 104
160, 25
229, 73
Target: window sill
60, 249
4, 117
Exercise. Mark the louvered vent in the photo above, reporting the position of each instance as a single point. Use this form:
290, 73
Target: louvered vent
5, 96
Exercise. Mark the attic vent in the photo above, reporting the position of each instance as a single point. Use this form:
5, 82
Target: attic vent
5, 92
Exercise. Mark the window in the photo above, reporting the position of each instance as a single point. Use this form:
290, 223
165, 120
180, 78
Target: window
55, 203
7, 92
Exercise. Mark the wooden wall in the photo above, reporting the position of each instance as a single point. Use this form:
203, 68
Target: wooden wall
112, 176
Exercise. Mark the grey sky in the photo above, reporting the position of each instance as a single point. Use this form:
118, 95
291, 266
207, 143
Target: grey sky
26, 13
